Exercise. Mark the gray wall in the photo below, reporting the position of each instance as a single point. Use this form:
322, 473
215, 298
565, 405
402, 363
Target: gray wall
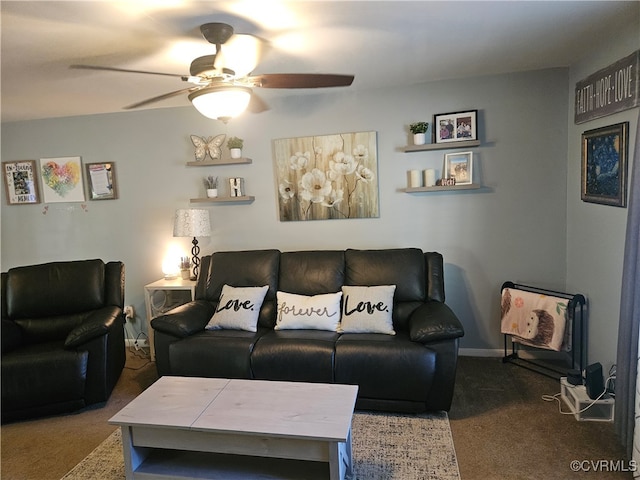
595, 233
514, 228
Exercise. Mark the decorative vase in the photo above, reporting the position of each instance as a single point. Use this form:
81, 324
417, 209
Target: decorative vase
212, 192
235, 152
419, 138
185, 273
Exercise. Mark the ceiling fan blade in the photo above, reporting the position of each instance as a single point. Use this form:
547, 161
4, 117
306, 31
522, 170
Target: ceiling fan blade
125, 70
301, 80
159, 98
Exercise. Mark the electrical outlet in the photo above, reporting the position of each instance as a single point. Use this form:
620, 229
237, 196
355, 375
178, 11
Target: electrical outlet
128, 312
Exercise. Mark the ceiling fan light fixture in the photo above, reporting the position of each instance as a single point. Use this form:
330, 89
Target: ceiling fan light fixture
221, 102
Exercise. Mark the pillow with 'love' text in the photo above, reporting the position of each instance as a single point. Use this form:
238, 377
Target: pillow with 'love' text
367, 309
317, 312
238, 308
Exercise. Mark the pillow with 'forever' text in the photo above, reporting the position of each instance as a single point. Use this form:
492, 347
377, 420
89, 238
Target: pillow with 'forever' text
367, 309
238, 308
317, 312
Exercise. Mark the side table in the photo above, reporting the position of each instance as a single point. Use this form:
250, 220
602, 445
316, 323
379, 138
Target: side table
163, 295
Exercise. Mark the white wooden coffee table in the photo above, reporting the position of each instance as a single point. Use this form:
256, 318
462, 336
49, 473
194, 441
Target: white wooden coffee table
208, 428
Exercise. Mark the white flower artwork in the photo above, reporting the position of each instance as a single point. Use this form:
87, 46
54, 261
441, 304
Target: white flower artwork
327, 176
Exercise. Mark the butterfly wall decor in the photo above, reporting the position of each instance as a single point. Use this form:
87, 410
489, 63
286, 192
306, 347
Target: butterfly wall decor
208, 146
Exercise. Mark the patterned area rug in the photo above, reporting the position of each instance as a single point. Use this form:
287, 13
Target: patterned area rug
385, 447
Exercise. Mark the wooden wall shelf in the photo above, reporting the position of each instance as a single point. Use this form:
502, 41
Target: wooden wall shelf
213, 163
441, 146
469, 186
243, 199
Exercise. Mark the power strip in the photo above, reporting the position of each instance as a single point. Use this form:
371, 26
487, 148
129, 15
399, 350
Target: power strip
137, 344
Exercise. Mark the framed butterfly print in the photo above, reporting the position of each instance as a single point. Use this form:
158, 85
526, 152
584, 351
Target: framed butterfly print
20, 185
62, 179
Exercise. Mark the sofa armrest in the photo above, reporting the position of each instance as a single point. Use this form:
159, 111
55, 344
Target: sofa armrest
98, 323
185, 320
434, 321
11, 336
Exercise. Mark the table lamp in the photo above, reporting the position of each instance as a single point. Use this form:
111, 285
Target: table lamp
192, 222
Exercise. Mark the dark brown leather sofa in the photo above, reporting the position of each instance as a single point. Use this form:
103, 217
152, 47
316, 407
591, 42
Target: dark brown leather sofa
413, 370
62, 336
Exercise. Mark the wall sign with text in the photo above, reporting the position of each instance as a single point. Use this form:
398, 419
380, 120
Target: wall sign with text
613, 89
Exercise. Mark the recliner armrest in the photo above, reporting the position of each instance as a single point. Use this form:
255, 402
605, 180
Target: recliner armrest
434, 321
185, 320
11, 336
95, 325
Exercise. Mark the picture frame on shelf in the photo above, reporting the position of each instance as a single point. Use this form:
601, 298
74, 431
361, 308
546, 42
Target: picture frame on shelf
20, 182
101, 181
460, 167
455, 126
604, 165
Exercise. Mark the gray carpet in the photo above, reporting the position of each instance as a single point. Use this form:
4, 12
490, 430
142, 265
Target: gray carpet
385, 447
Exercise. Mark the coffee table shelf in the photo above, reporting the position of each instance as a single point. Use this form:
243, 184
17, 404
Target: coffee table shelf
181, 465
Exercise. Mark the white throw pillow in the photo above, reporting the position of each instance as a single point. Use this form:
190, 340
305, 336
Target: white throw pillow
318, 312
238, 308
368, 309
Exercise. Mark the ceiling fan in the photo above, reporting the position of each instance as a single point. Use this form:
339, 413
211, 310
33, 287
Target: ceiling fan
221, 92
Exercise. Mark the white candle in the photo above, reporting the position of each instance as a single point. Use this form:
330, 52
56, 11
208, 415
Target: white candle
429, 177
414, 179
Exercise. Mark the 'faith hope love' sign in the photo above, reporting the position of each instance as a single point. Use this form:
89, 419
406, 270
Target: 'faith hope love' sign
613, 89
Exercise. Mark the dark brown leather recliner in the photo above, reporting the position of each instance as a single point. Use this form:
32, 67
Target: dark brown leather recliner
62, 336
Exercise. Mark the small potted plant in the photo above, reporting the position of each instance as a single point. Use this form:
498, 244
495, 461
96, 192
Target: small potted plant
419, 130
234, 144
211, 184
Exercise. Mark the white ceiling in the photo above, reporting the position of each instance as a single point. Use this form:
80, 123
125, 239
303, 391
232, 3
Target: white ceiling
383, 43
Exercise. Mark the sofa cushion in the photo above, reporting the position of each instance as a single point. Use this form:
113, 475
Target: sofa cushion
54, 376
55, 288
402, 267
295, 355
317, 312
238, 308
214, 353
385, 367
311, 272
250, 268
49, 328
367, 309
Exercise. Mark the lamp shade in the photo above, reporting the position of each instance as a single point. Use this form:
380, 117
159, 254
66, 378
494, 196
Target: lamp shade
221, 102
191, 222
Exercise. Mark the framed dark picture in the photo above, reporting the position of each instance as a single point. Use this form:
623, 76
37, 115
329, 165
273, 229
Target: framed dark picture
20, 185
604, 165
455, 127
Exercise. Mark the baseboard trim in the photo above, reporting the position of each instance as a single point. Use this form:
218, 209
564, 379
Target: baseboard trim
481, 352
522, 353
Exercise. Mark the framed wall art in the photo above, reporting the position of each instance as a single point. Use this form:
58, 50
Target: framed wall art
455, 127
20, 183
604, 165
101, 181
62, 179
327, 177
460, 167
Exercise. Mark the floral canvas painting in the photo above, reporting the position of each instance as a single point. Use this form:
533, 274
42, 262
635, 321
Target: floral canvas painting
327, 176
62, 179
